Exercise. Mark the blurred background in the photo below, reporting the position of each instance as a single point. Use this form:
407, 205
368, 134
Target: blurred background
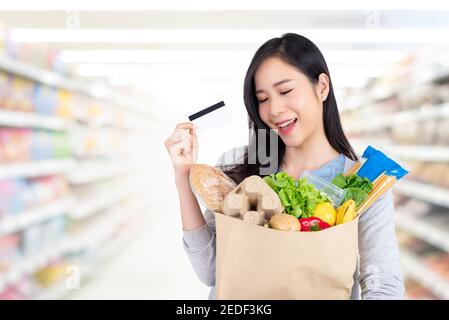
90, 90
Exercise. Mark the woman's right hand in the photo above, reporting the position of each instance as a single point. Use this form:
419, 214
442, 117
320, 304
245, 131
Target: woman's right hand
182, 146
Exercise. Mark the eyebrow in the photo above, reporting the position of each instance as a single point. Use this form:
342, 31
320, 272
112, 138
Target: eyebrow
276, 84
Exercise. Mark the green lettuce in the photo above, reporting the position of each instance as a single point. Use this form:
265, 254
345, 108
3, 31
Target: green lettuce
298, 197
357, 188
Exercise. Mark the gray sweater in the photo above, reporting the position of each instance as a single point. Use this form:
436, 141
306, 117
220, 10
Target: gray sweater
378, 274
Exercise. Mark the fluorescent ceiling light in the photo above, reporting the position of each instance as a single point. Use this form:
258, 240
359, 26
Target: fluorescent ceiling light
215, 57
203, 5
177, 70
158, 71
254, 36
155, 56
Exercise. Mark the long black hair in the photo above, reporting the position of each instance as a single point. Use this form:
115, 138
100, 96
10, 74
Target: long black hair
304, 55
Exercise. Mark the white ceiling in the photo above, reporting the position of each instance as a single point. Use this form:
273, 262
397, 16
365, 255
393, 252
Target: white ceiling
203, 48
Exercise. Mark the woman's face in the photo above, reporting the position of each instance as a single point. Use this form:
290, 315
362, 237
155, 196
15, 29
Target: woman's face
288, 101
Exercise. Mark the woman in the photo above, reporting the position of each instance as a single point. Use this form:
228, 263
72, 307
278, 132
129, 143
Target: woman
288, 91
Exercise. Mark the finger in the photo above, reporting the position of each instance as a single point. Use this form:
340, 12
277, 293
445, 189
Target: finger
185, 125
179, 135
194, 140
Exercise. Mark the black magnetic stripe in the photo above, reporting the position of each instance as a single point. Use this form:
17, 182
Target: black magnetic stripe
206, 111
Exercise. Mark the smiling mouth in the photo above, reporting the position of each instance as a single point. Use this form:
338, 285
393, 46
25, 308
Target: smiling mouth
286, 123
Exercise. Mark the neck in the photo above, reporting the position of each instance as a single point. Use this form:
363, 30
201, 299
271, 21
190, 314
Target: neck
312, 154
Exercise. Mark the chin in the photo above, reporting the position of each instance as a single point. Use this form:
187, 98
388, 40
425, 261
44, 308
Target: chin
293, 142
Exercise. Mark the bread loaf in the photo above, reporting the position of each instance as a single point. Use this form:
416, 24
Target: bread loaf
211, 185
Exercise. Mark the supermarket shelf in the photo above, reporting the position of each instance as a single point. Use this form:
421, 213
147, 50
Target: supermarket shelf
428, 153
95, 171
55, 292
69, 244
440, 75
425, 276
38, 74
420, 152
28, 218
117, 245
87, 208
33, 263
106, 228
384, 92
54, 79
400, 118
33, 120
424, 192
419, 228
19, 119
35, 168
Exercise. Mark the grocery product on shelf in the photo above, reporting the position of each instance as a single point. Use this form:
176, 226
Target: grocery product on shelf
40, 236
9, 251
13, 200
45, 99
435, 259
432, 173
64, 107
14, 145
415, 291
22, 95
21, 194
51, 273
21, 145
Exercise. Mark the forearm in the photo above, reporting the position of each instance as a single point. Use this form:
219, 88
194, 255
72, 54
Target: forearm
200, 247
380, 268
191, 215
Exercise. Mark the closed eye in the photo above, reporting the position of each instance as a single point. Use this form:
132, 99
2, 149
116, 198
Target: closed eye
282, 93
285, 92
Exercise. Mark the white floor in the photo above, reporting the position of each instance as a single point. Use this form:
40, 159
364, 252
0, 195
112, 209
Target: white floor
153, 266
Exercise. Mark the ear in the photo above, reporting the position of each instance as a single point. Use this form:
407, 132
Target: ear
322, 87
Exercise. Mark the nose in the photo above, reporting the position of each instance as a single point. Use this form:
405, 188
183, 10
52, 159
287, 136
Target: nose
276, 107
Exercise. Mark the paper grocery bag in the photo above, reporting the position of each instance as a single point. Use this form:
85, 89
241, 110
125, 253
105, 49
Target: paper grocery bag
253, 262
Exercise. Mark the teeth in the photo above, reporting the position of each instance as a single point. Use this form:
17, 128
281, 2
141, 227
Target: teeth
286, 124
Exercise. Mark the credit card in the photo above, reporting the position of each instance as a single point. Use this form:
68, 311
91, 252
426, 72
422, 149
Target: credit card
211, 118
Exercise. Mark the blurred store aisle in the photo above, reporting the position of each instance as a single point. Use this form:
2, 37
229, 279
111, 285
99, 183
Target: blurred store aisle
152, 266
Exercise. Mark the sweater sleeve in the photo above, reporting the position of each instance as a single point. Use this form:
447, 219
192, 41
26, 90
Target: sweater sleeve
200, 247
380, 270
200, 244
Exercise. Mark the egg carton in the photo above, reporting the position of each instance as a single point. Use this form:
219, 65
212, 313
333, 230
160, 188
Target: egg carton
252, 201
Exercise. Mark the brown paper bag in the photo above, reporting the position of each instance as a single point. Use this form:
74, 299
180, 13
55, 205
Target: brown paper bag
253, 262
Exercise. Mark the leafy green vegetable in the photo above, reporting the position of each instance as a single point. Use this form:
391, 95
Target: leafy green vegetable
357, 187
298, 197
